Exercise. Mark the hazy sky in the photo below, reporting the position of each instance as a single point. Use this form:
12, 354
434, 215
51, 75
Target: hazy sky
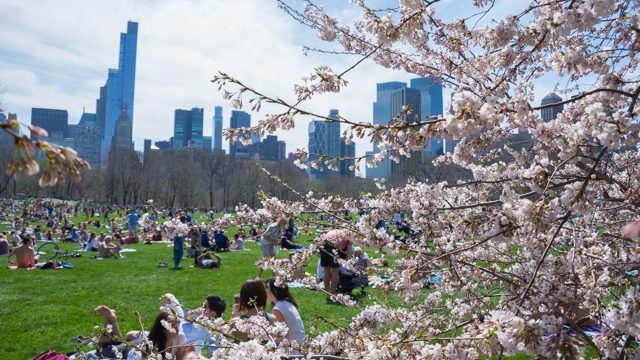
55, 54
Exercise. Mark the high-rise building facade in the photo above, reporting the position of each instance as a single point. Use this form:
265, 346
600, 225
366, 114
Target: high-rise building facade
382, 116
347, 151
431, 104
217, 128
238, 150
206, 142
282, 150
163, 145
324, 140
550, 113
52, 120
117, 95
87, 138
147, 146
122, 138
187, 128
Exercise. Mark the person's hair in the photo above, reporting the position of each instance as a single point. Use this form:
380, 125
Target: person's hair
217, 304
281, 292
26, 240
183, 219
253, 294
157, 333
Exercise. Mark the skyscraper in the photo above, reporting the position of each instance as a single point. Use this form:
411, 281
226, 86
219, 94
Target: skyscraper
324, 140
550, 113
406, 97
55, 121
382, 105
187, 128
147, 146
239, 119
381, 116
269, 148
87, 138
206, 142
217, 128
430, 104
123, 132
117, 95
347, 151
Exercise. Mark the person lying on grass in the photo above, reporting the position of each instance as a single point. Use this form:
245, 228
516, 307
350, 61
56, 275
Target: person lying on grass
204, 261
165, 336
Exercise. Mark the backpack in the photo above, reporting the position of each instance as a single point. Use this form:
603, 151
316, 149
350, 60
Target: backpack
50, 355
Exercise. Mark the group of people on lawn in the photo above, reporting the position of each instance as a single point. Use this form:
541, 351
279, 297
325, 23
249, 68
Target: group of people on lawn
180, 333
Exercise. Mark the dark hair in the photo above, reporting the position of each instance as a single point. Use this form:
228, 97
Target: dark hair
183, 219
157, 333
253, 294
217, 304
281, 292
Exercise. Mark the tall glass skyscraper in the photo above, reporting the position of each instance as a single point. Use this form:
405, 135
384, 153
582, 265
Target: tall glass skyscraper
430, 104
52, 120
239, 119
381, 116
324, 139
217, 128
550, 113
117, 95
187, 128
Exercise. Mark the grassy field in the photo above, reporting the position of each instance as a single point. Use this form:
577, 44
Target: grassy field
44, 309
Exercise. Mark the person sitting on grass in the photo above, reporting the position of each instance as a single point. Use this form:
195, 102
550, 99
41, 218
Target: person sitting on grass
212, 308
108, 249
252, 301
239, 240
4, 245
24, 254
221, 241
92, 244
285, 309
204, 261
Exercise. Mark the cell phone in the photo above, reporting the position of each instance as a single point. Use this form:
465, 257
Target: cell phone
236, 298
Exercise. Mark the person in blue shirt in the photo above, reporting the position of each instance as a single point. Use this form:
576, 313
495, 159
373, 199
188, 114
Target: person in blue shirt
133, 224
74, 235
221, 241
189, 217
204, 240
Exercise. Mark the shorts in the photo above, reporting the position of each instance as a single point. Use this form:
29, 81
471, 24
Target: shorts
269, 250
327, 257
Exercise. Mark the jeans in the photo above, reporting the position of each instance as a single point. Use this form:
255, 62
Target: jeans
178, 249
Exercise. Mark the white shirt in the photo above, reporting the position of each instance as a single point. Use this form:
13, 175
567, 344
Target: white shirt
92, 245
293, 321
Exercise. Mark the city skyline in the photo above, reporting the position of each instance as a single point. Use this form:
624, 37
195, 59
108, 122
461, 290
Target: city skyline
64, 65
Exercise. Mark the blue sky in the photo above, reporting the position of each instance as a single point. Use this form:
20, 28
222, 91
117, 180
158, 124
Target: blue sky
55, 54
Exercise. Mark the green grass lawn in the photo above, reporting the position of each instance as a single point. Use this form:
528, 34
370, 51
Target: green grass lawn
44, 309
